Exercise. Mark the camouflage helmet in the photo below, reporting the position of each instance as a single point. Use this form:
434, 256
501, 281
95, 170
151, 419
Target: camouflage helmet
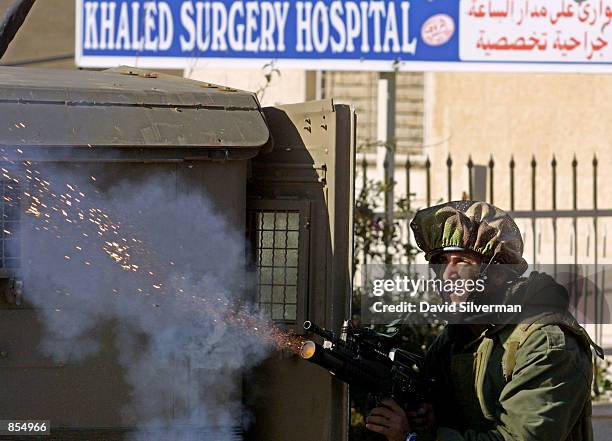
473, 226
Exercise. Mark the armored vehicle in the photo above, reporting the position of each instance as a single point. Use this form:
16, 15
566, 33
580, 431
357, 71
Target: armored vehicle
255, 165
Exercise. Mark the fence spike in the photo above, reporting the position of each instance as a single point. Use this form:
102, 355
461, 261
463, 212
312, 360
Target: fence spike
512, 165
575, 221
408, 166
534, 164
553, 164
449, 177
595, 163
533, 204
428, 177
491, 179
575, 182
470, 166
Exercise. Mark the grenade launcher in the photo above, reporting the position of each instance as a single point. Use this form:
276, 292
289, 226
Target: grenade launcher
357, 358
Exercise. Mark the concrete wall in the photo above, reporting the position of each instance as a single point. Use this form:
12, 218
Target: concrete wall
523, 115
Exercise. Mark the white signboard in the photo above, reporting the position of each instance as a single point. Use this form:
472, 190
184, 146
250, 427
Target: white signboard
439, 35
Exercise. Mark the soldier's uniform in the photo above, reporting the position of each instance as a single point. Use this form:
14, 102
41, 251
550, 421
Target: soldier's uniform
530, 381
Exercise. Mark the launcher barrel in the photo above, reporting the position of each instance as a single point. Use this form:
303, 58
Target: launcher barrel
356, 372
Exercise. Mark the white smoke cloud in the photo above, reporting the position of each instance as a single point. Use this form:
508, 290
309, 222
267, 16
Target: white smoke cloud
181, 349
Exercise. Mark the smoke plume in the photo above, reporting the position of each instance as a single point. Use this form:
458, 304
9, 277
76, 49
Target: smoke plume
166, 274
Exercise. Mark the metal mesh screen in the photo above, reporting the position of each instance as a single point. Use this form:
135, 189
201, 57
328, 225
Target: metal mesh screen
275, 238
10, 206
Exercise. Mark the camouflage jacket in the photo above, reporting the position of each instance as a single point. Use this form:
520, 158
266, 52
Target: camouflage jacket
547, 397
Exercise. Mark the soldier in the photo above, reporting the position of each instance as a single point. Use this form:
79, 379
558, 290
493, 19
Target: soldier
526, 381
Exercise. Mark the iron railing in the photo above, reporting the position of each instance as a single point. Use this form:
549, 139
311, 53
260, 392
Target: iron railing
542, 216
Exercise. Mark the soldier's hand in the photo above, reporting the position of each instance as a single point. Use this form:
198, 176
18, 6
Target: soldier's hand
423, 418
390, 420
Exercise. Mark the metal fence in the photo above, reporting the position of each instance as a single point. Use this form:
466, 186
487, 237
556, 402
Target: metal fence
580, 228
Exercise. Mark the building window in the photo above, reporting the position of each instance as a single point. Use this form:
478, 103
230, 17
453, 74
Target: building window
277, 241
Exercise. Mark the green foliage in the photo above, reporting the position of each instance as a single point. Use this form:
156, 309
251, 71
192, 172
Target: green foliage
378, 240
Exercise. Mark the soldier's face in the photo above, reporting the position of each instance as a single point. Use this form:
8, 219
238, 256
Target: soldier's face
457, 266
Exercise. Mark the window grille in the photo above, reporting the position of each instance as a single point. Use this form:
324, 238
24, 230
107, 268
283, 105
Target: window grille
279, 242
10, 206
